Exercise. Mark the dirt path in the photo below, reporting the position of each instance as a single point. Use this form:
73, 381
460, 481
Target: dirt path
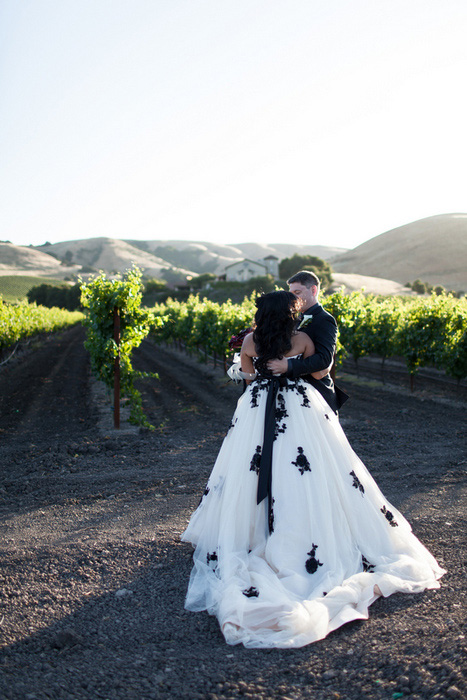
94, 576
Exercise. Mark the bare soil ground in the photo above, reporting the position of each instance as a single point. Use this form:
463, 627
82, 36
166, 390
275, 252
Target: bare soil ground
94, 575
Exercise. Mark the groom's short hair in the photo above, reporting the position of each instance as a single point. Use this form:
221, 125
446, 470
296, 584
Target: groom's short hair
308, 279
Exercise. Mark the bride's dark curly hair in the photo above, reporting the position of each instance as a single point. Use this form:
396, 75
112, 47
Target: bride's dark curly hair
275, 321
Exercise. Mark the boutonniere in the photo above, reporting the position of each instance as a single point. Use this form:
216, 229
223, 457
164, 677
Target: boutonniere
305, 321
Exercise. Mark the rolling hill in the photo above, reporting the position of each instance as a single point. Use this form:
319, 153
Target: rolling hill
114, 255
201, 256
432, 249
26, 260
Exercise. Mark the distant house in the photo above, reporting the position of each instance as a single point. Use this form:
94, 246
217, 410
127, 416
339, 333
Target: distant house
244, 270
272, 264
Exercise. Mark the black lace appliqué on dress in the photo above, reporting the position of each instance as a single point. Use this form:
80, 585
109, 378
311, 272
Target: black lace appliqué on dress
302, 462
232, 424
389, 517
367, 566
271, 517
255, 461
251, 592
279, 415
300, 389
257, 386
312, 563
205, 493
211, 557
357, 484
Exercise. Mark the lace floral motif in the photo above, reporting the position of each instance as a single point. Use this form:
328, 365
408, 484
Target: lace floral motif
210, 558
271, 517
232, 424
357, 484
205, 493
251, 592
300, 389
280, 414
302, 462
258, 386
255, 461
367, 566
389, 517
311, 564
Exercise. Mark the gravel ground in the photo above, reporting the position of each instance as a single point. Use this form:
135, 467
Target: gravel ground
94, 575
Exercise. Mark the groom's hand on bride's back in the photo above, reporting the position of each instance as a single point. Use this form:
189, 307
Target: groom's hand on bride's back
278, 366
281, 366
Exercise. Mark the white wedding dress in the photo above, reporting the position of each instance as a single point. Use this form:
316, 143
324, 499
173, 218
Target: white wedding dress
301, 563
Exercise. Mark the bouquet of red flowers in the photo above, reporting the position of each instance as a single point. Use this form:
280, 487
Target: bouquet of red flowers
236, 341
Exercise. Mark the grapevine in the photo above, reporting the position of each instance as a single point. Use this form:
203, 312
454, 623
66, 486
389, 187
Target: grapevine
23, 320
425, 331
100, 296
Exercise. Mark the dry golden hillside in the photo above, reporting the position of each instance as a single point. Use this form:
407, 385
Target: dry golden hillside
433, 250
22, 260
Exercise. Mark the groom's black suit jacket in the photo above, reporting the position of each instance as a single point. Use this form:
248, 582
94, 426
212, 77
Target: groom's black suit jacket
323, 332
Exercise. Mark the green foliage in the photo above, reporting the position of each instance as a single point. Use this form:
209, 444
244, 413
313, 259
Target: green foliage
100, 296
425, 331
23, 320
64, 297
154, 285
454, 358
201, 323
201, 280
426, 288
419, 286
321, 268
154, 290
425, 338
229, 290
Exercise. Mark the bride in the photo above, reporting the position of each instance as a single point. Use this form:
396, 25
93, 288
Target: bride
292, 536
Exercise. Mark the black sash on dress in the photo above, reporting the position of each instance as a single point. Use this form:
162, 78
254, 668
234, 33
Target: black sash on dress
265, 464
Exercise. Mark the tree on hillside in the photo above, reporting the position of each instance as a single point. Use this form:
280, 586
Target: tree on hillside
321, 268
154, 284
202, 280
63, 296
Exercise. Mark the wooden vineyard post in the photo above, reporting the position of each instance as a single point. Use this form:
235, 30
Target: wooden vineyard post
117, 370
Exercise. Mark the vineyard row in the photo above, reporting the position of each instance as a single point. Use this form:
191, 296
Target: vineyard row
426, 332
21, 321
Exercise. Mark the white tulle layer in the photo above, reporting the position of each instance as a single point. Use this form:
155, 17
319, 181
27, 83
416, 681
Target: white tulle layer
308, 573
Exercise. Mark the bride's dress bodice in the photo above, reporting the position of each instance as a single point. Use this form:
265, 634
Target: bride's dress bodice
291, 357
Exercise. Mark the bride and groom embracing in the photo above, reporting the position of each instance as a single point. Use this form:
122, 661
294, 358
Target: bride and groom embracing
293, 538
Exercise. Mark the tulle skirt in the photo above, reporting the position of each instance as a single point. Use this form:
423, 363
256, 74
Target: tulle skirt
329, 544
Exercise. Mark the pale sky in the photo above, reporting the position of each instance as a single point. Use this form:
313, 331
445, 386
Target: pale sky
307, 121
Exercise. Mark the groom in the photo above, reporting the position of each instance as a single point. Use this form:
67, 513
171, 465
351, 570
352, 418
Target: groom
321, 327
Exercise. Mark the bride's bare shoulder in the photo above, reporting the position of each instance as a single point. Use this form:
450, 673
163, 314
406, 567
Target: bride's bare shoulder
248, 345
